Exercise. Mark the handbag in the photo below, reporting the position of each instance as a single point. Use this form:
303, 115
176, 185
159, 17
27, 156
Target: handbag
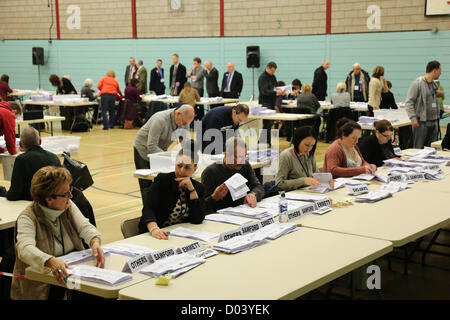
128, 124
81, 177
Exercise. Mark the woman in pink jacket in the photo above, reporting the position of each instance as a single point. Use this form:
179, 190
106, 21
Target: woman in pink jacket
343, 158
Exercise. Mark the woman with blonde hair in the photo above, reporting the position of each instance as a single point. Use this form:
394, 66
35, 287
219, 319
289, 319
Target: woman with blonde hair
109, 89
341, 98
377, 86
50, 227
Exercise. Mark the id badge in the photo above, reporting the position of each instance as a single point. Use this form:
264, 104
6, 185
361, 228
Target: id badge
434, 106
162, 80
356, 88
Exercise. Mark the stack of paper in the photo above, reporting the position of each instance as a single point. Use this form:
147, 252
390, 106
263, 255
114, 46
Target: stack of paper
426, 151
276, 230
366, 177
227, 219
262, 155
367, 121
80, 256
433, 174
127, 249
272, 205
341, 182
213, 99
260, 110
193, 234
98, 275
287, 89
394, 187
240, 243
355, 105
246, 211
324, 179
320, 202
427, 160
373, 196
175, 265
144, 172
237, 186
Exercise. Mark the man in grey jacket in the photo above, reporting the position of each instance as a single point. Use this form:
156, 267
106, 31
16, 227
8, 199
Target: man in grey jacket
196, 74
158, 134
422, 106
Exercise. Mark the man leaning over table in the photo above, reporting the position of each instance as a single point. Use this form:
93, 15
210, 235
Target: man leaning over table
217, 195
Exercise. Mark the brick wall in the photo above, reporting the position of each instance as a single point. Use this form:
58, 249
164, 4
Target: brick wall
105, 19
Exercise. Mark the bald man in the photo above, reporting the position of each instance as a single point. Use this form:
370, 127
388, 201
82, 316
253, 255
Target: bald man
232, 83
157, 135
358, 84
319, 87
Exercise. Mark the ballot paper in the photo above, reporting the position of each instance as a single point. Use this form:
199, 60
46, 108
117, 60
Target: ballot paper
194, 234
341, 182
427, 160
144, 172
366, 177
237, 186
80, 256
99, 275
426, 151
394, 187
276, 230
227, 219
324, 180
409, 164
175, 265
272, 205
128, 249
245, 211
286, 89
373, 196
207, 253
382, 177
319, 201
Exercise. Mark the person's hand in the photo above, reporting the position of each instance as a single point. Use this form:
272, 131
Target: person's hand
194, 78
381, 77
280, 92
185, 183
98, 253
312, 182
374, 168
159, 234
439, 93
59, 269
220, 192
367, 169
251, 200
332, 183
415, 124
189, 73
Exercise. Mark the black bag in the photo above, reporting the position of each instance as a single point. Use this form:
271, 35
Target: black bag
81, 176
81, 125
446, 141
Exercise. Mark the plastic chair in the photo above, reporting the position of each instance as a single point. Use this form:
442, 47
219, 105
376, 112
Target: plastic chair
130, 227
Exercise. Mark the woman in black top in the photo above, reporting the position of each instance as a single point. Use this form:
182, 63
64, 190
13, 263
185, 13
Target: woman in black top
63, 85
378, 147
174, 198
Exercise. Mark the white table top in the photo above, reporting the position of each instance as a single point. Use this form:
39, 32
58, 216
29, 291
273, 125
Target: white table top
58, 104
282, 117
285, 268
46, 119
175, 100
9, 211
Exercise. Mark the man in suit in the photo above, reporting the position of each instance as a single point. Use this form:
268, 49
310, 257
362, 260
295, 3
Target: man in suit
157, 79
141, 76
232, 83
177, 76
319, 87
130, 71
212, 76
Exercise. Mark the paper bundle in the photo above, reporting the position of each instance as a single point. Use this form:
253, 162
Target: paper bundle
246, 211
80, 256
127, 249
227, 219
373, 196
237, 186
98, 275
175, 265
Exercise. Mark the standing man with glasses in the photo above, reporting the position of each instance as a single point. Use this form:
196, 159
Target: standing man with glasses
232, 83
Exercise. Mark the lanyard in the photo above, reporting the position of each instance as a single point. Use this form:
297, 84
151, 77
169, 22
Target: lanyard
61, 242
304, 169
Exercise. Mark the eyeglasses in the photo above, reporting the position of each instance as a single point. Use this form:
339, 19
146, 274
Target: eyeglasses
389, 136
64, 195
186, 166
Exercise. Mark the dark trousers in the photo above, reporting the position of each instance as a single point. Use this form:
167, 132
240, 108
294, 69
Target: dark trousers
199, 109
108, 104
144, 184
230, 95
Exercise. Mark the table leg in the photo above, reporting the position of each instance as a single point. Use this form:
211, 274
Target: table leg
51, 128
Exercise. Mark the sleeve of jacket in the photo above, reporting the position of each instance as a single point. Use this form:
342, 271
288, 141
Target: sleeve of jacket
9, 132
367, 148
317, 80
240, 83
149, 211
411, 100
224, 84
282, 181
197, 207
210, 184
253, 183
153, 136
17, 190
348, 83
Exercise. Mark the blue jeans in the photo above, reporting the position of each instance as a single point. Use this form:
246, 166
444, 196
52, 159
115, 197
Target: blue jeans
425, 134
108, 103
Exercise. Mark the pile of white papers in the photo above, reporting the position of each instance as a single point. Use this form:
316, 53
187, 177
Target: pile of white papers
262, 155
367, 121
324, 103
320, 202
399, 163
260, 110
366, 177
349, 182
246, 211
358, 105
427, 160
254, 239
175, 265
80, 256
213, 99
145, 172
98, 275
373, 196
324, 179
405, 173
286, 89
394, 187
127, 249
426, 151
272, 205
193, 234
237, 186
227, 219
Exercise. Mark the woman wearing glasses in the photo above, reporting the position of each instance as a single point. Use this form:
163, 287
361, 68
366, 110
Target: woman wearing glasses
50, 227
174, 198
378, 147
343, 158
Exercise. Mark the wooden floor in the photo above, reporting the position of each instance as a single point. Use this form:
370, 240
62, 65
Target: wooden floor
115, 195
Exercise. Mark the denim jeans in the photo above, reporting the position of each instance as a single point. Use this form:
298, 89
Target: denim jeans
425, 134
107, 103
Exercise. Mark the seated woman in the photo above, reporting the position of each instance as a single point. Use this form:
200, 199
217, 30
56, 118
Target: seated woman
378, 147
341, 98
296, 165
174, 198
50, 227
343, 158
189, 95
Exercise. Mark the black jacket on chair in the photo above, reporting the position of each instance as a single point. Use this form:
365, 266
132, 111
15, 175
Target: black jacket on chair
371, 150
155, 81
235, 86
162, 198
319, 86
